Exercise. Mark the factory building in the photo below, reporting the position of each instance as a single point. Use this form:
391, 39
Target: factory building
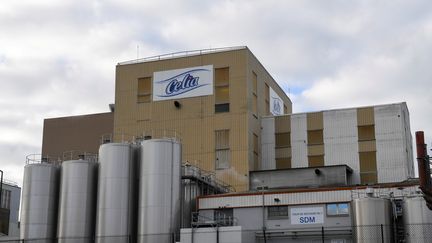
375, 142
9, 209
240, 166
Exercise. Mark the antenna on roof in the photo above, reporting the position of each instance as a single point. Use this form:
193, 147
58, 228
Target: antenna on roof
137, 52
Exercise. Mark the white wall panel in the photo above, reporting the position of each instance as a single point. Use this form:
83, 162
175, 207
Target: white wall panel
299, 141
391, 144
341, 140
268, 161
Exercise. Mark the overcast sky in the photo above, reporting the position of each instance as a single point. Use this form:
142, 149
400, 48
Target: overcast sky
58, 57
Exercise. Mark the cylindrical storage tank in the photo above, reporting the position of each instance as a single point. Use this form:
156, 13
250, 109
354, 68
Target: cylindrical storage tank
39, 203
372, 220
159, 191
417, 220
116, 202
77, 205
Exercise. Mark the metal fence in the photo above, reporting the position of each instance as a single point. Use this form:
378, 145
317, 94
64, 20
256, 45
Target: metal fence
413, 233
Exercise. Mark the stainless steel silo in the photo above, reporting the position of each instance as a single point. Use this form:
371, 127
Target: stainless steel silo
372, 220
417, 220
159, 190
116, 202
77, 205
39, 202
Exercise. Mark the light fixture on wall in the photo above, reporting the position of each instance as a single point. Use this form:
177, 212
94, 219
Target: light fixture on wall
177, 104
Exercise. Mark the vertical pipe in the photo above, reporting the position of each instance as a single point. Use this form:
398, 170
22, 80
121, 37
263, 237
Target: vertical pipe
1, 188
263, 217
421, 155
322, 233
382, 234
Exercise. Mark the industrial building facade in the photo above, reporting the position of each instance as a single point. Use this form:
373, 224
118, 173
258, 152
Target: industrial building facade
374, 141
237, 131
9, 209
220, 130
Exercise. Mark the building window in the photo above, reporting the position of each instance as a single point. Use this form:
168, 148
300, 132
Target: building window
316, 160
144, 90
277, 212
368, 167
224, 216
267, 99
366, 133
283, 140
5, 200
255, 151
285, 109
283, 163
222, 149
222, 93
337, 209
315, 137
254, 94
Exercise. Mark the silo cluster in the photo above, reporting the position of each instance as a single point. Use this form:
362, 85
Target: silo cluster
131, 194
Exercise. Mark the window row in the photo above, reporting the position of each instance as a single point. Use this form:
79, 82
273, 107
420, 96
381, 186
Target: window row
221, 92
332, 209
221, 89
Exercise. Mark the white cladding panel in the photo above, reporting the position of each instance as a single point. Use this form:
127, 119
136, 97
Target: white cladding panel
408, 140
268, 161
299, 141
392, 164
231, 234
341, 140
284, 198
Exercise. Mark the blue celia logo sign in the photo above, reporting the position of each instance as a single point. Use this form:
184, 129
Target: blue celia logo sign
183, 83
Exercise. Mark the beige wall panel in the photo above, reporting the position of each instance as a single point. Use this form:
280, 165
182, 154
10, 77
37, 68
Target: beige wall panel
283, 153
365, 146
315, 150
236, 176
282, 124
80, 133
315, 121
365, 116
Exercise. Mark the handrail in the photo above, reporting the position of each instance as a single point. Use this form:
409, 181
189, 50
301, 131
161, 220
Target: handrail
181, 54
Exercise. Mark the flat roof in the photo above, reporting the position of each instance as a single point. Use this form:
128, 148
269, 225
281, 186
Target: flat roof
339, 109
181, 54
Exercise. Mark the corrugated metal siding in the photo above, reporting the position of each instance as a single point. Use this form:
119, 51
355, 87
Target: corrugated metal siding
285, 199
390, 144
298, 198
268, 144
340, 140
299, 141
